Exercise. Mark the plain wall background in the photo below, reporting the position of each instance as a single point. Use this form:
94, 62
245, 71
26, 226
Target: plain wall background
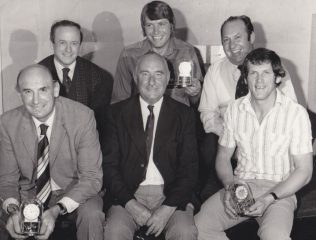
283, 26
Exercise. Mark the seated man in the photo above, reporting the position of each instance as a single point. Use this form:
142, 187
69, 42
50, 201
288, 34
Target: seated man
49, 150
274, 151
158, 24
150, 159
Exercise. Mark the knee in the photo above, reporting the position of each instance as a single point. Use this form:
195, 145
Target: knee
117, 230
90, 216
179, 232
273, 233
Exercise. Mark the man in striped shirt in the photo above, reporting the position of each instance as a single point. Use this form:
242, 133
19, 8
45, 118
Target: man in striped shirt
272, 134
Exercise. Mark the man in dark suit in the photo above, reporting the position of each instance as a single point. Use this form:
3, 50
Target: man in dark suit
79, 79
150, 159
49, 150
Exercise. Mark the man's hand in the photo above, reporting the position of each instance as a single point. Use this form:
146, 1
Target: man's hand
14, 226
228, 207
194, 89
260, 206
140, 213
48, 222
157, 222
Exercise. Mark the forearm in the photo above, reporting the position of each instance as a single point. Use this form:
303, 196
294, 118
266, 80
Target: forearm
212, 122
223, 165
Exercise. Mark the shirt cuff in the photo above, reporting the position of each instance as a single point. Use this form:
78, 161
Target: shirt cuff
9, 201
69, 204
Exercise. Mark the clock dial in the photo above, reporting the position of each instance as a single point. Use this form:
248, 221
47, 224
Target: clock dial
31, 211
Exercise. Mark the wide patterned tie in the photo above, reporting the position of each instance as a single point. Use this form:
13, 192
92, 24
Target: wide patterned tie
43, 188
66, 79
242, 86
149, 129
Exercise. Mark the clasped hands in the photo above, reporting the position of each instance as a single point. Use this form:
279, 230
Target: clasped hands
255, 210
47, 227
156, 220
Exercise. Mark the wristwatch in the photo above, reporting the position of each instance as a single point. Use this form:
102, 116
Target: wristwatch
274, 196
12, 208
63, 209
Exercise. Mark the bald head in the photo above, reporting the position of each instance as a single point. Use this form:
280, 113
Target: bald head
38, 91
152, 76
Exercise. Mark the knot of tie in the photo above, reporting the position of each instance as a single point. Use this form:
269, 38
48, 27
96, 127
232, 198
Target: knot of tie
43, 128
65, 71
151, 109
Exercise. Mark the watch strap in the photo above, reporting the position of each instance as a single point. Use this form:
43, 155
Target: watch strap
12, 208
274, 196
63, 209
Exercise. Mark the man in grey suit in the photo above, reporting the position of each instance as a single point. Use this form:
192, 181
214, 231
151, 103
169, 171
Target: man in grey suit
70, 161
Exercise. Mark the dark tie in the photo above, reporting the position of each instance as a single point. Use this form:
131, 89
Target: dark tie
43, 188
242, 86
149, 129
66, 79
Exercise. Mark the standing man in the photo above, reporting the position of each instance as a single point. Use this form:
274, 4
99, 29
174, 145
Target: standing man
79, 79
158, 26
150, 159
222, 84
47, 153
274, 151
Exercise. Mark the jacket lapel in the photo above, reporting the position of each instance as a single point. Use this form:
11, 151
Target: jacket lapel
134, 122
29, 136
165, 125
58, 133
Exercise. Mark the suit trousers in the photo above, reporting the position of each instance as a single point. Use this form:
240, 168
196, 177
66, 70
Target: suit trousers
120, 224
89, 217
276, 222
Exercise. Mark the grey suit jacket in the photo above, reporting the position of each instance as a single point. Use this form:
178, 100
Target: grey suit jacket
75, 157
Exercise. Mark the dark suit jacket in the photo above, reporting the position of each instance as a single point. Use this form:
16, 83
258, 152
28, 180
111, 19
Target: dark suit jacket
90, 85
75, 157
175, 152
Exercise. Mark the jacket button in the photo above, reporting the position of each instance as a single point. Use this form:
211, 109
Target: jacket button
142, 165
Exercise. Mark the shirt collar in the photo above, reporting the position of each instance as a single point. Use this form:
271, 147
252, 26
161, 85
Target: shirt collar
146, 46
144, 105
245, 103
60, 67
48, 122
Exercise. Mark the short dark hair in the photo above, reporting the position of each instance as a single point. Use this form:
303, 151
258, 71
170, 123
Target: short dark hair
263, 55
64, 23
157, 10
245, 19
17, 87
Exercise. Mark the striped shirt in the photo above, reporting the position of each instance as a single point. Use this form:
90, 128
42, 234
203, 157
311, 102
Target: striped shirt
264, 149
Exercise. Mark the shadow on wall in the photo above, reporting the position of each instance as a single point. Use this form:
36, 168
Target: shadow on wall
105, 42
23, 48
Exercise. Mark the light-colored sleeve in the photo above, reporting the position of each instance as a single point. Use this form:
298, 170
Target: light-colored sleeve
69, 204
302, 134
286, 86
9, 201
209, 105
227, 138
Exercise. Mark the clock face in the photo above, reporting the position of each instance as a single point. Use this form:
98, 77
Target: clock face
31, 211
185, 68
241, 192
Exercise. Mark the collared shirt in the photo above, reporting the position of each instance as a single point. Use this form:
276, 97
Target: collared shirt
59, 69
124, 84
219, 89
70, 204
264, 149
153, 176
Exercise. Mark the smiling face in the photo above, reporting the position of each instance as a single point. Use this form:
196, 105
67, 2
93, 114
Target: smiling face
262, 81
38, 92
158, 33
235, 41
152, 78
66, 44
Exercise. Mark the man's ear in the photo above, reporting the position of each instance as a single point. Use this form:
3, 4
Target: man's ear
252, 37
56, 88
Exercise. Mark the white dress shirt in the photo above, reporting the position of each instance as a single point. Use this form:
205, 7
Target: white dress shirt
59, 69
153, 176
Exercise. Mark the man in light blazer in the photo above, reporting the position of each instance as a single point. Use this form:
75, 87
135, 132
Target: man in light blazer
74, 157
88, 83
150, 183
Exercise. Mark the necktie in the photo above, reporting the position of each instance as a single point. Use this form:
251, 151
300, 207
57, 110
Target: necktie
149, 129
242, 86
66, 79
43, 188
